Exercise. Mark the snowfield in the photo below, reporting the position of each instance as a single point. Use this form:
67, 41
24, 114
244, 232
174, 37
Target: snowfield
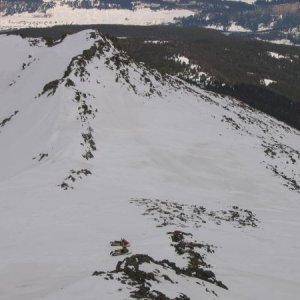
63, 14
95, 147
237, 28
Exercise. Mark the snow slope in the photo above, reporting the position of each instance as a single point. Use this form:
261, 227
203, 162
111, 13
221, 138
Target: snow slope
95, 147
63, 14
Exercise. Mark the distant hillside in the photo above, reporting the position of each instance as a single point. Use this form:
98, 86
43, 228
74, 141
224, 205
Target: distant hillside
277, 20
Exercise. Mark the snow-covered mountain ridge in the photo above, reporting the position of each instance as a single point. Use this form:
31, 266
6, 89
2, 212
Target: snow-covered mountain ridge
95, 147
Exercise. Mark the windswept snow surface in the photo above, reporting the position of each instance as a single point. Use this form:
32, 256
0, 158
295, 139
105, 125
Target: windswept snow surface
63, 14
83, 157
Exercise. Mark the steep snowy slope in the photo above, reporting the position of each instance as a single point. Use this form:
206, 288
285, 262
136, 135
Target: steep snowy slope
95, 147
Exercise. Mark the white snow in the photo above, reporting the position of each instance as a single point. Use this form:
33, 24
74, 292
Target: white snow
276, 55
264, 27
246, 1
279, 56
267, 81
174, 147
63, 14
282, 42
232, 28
237, 28
156, 42
193, 72
216, 27
182, 59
